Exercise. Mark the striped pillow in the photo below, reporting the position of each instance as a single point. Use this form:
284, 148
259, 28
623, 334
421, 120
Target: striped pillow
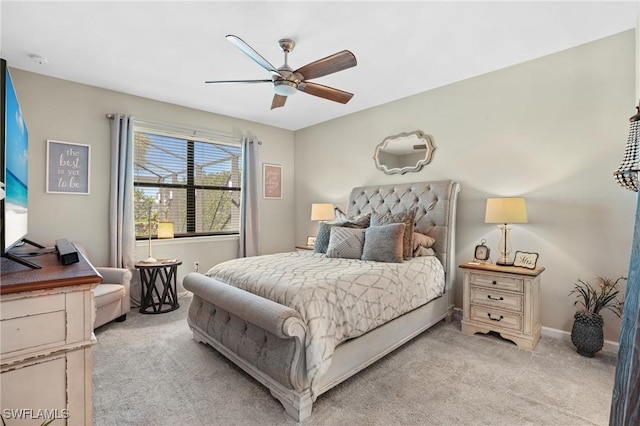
346, 242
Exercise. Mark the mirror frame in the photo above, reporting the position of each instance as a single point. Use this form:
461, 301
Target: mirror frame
421, 137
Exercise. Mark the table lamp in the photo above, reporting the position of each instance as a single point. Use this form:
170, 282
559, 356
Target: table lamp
322, 211
504, 211
165, 229
150, 259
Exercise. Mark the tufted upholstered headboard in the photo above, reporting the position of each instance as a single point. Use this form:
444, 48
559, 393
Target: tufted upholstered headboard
436, 215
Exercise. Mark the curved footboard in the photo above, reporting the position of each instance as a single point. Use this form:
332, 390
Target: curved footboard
262, 337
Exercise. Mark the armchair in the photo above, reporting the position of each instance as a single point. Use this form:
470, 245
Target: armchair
111, 297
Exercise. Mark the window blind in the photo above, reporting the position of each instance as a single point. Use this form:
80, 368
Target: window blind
193, 183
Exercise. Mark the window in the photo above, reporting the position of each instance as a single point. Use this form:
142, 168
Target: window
191, 182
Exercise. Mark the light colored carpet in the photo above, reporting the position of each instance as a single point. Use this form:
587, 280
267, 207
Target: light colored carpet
148, 371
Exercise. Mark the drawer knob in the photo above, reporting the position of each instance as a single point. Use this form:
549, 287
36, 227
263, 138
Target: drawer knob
494, 298
494, 282
495, 319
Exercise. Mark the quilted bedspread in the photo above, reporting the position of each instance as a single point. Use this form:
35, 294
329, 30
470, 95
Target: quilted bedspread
338, 298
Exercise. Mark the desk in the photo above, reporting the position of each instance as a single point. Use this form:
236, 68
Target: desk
151, 301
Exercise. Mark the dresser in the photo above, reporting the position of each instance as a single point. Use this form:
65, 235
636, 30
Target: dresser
502, 299
46, 320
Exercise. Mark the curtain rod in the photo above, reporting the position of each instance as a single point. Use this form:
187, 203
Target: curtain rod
185, 130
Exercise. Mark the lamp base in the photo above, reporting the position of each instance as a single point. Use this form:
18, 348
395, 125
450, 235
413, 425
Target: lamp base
150, 259
505, 246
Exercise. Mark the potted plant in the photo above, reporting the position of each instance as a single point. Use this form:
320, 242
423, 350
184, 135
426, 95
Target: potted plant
586, 334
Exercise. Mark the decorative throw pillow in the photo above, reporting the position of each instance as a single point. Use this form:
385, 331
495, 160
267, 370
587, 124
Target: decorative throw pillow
423, 251
345, 242
322, 239
384, 243
360, 221
408, 218
422, 240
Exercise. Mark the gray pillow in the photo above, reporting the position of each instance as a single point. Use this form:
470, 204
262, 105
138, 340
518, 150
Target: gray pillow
322, 239
324, 231
360, 221
406, 217
346, 242
384, 243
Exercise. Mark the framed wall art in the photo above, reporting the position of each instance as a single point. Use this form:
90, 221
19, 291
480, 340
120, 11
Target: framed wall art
271, 181
525, 260
68, 168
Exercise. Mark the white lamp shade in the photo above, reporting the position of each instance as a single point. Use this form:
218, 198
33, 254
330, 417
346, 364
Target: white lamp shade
506, 210
165, 229
322, 211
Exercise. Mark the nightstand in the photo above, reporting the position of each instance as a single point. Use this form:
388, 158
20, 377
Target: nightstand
304, 248
503, 299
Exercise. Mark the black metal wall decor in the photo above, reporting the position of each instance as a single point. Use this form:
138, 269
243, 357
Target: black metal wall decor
627, 173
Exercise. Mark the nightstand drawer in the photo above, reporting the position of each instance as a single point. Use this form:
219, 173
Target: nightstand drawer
497, 281
496, 318
499, 299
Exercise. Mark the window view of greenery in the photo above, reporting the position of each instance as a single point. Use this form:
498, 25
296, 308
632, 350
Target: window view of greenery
191, 183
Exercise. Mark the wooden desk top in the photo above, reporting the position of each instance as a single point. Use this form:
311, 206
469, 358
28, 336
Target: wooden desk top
15, 277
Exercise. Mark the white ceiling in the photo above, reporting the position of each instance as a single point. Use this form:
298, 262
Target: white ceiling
166, 50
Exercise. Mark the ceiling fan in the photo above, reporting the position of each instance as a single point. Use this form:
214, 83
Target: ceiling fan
287, 82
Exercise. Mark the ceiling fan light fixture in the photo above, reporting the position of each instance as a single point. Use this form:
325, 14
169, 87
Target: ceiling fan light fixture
285, 88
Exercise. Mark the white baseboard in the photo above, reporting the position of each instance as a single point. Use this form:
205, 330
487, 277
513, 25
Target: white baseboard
609, 346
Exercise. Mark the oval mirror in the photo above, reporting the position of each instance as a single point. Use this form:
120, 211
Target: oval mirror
406, 152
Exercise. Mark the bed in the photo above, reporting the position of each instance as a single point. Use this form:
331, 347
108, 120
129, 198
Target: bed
300, 323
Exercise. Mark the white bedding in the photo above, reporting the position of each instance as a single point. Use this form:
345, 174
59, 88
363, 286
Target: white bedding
338, 299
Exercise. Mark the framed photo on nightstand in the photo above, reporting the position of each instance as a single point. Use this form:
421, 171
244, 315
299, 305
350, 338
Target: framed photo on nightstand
311, 241
525, 260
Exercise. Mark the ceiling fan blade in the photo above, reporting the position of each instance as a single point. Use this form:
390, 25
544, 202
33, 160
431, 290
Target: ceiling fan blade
239, 81
278, 101
250, 52
334, 63
325, 92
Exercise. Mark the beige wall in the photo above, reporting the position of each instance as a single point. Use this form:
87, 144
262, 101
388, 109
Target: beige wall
65, 111
552, 130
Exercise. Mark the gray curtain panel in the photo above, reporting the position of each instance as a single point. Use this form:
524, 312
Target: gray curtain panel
249, 212
122, 236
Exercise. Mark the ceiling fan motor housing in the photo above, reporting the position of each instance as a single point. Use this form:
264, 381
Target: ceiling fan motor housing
285, 87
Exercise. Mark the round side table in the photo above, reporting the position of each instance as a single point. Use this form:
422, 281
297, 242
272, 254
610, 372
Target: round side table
156, 278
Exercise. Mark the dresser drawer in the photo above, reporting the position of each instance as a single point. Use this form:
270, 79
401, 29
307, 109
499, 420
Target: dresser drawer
32, 323
497, 281
498, 299
496, 318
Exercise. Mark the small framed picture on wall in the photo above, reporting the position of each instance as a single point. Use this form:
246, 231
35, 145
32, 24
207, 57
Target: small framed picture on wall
68, 167
272, 181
